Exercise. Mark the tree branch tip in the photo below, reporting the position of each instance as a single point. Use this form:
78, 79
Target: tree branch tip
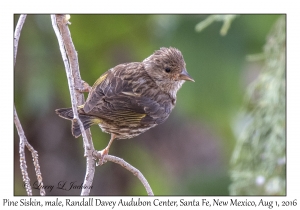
67, 18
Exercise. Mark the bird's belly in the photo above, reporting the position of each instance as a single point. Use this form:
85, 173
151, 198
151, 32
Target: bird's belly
124, 132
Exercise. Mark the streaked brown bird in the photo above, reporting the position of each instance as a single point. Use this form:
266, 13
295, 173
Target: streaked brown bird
131, 98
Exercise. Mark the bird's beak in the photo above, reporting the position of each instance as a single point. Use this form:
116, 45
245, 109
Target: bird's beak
185, 76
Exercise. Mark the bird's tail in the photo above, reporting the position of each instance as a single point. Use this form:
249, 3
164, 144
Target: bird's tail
87, 120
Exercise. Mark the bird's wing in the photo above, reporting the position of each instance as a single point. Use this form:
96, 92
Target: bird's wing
120, 95
96, 94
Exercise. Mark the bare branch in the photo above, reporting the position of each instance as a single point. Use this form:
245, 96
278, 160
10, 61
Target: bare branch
23, 139
69, 55
17, 34
37, 168
22, 143
132, 169
59, 23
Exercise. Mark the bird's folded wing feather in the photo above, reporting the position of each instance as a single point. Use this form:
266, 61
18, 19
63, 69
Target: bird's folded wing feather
115, 97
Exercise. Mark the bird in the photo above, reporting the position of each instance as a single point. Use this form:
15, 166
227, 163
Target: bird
131, 98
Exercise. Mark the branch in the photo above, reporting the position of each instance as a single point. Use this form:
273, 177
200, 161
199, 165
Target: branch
35, 159
22, 143
130, 168
23, 139
17, 34
227, 20
70, 59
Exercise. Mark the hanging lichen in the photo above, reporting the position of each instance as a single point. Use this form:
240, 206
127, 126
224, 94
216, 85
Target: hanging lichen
258, 165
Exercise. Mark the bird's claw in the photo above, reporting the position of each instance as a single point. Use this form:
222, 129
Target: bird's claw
100, 155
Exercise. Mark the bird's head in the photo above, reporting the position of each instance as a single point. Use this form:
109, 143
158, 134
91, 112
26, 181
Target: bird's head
167, 68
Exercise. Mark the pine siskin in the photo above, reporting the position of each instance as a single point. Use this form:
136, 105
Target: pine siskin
131, 98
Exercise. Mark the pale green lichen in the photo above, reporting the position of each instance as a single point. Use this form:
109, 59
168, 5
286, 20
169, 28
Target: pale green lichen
258, 165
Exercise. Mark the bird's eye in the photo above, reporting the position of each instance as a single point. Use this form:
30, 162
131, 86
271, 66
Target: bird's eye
167, 69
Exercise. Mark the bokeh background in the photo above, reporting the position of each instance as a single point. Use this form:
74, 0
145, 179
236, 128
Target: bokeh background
187, 155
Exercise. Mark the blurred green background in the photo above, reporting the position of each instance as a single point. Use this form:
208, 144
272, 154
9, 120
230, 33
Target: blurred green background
187, 155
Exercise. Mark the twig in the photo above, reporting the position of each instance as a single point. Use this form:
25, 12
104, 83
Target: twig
132, 169
70, 59
23, 139
227, 20
17, 33
69, 55
35, 159
22, 143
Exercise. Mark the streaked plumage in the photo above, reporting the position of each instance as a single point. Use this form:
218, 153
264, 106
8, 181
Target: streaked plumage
131, 98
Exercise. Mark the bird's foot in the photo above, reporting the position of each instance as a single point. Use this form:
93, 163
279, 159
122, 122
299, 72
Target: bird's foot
100, 155
85, 87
